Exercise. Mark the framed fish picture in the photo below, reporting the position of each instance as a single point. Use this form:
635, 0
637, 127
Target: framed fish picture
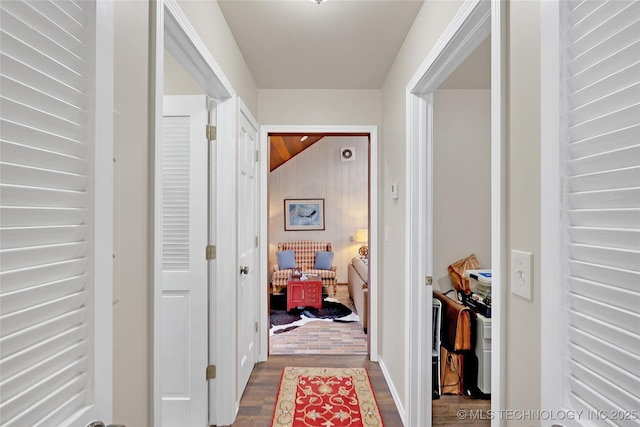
303, 214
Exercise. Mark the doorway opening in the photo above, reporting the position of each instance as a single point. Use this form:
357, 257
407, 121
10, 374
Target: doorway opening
191, 70
462, 227
330, 172
324, 178
471, 25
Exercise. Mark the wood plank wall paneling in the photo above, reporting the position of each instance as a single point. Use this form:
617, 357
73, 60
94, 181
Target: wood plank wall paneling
319, 172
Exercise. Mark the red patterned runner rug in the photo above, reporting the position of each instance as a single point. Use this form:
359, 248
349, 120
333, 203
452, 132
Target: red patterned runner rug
326, 397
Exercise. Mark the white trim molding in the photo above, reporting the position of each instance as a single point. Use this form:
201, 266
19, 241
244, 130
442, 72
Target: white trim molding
499, 174
222, 315
468, 28
393, 391
419, 262
552, 348
265, 130
475, 20
184, 43
104, 207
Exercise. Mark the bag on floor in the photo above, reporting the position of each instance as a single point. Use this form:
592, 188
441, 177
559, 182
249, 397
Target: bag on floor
451, 372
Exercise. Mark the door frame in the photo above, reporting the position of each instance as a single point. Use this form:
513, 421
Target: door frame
475, 20
170, 28
265, 130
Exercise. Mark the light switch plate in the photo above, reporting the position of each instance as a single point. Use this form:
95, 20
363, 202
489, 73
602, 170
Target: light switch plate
522, 274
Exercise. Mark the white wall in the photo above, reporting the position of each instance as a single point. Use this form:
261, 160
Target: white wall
177, 80
429, 24
319, 173
523, 318
461, 179
318, 107
131, 313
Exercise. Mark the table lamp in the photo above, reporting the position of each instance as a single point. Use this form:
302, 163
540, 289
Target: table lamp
362, 236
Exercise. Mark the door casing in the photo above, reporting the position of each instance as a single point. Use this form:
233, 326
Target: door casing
170, 28
265, 130
475, 20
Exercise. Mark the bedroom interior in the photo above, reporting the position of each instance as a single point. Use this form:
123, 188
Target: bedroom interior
332, 171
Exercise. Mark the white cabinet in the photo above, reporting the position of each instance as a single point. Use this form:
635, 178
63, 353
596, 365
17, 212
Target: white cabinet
483, 352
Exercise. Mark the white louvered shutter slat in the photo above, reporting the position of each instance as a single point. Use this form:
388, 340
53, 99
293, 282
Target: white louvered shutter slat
13, 216
36, 79
19, 352
45, 207
602, 200
592, 253
624, 218
41, 158
616, 16
175, 190
29, 14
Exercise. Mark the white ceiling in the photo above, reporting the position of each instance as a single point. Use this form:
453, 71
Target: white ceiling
339, 44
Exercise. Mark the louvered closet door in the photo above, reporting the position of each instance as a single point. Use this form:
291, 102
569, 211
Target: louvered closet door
47, 369
184, 335
603, 206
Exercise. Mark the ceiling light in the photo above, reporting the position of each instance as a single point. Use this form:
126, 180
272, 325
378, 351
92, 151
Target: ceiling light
318, 1
304, 138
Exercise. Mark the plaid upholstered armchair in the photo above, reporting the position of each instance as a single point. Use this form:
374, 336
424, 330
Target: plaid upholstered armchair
305, 255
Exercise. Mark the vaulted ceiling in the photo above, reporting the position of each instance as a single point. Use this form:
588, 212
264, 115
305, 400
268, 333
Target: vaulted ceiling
286, 146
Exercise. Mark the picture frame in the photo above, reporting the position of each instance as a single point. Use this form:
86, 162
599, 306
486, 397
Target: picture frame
303, 214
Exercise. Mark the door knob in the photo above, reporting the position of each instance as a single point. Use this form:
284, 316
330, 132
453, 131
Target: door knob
244, 270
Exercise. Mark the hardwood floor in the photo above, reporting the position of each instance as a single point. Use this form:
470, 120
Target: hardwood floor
259, 399
461, 411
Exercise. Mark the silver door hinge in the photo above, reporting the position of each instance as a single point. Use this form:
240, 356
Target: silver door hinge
256, 241
257, 155
256, 326
211, 372
211, 132
428, 280
211, 252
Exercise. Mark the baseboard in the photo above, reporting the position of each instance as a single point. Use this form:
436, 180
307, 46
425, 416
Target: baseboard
392, 389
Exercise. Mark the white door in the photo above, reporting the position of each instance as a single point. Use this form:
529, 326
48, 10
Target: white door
183, 264
247, 305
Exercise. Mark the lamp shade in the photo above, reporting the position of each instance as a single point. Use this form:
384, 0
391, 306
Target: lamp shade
362, 235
